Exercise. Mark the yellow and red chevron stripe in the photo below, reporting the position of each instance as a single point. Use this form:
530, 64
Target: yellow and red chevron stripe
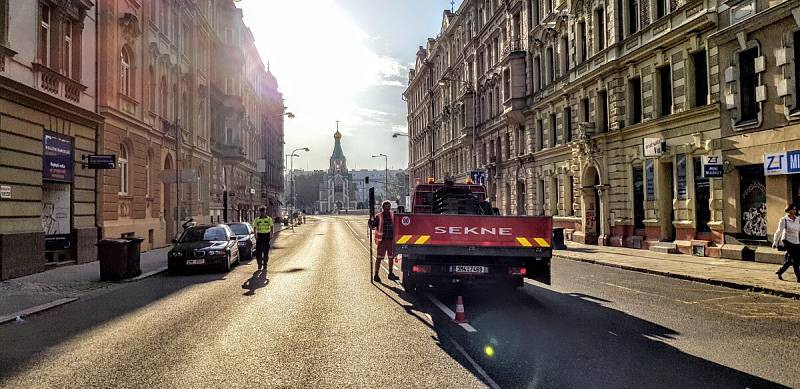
532, 242
413, 239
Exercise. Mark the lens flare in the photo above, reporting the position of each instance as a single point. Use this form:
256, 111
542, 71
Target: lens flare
489, 351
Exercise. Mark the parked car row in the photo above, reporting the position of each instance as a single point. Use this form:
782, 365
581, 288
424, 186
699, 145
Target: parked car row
214, 246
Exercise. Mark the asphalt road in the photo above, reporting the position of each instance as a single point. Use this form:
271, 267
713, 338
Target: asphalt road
317, 321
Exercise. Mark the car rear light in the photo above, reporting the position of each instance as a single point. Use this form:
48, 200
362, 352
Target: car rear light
421, 269
517, 271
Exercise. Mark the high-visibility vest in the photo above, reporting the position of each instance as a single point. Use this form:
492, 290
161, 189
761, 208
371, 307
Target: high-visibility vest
379, 230
262, 225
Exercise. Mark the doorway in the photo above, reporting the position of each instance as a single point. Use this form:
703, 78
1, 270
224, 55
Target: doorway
753, 211
167, 203
592, 228
638, 198
702, 198
666, 202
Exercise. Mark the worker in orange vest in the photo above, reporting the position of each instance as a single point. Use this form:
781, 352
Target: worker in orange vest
383, 224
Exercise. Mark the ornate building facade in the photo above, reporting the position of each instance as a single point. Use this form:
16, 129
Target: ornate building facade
48, 123
337, 192
188, 113
554, 99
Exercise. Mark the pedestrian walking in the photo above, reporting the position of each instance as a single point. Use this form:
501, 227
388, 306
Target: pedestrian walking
263, 226
788, 236
384, 239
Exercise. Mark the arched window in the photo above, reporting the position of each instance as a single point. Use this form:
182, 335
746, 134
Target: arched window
152, 86
123, 170
125, 71
164, 97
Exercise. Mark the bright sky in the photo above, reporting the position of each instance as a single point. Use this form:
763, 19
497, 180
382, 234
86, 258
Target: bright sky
344, 60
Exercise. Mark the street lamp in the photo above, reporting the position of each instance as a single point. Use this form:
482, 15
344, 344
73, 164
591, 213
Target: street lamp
386, 174
291, 173
265, 175
399, 134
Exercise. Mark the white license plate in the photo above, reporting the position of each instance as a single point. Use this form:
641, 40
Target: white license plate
195, 261
469, 269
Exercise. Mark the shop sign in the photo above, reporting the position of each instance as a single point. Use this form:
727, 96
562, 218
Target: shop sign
787, 162
653, 147
5, 191
681, 168
478, 177
57, 160
712, 166
102, 161
649, 172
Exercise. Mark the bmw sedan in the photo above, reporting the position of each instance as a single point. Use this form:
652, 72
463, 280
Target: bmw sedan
204, 246
246, 237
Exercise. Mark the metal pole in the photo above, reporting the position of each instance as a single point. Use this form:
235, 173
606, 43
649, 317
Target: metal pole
386, 178
291, 190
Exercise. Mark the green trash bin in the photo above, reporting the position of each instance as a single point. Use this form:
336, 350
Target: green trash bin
134, 258
113, 257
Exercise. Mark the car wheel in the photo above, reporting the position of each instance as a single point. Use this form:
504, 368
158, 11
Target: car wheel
172, 270
227, 266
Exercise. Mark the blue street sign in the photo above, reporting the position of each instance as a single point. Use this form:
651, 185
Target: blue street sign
793, 161
478, 177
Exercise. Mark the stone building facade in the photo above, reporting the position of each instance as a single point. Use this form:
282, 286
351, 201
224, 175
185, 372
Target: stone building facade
554, 99
759, 60
185, 98
48, 124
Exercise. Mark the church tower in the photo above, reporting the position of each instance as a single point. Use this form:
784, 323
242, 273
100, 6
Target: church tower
337, 192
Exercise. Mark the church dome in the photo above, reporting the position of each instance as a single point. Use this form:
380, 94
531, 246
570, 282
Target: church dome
337, 135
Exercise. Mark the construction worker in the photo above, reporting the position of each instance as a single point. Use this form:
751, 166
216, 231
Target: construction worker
384, 239
263, 227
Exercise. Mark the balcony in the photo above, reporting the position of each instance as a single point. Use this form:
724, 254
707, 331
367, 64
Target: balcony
513, 49
230, 152
57, 84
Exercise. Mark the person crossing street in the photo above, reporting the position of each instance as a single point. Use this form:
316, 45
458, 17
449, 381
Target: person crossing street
384, 239
263, 227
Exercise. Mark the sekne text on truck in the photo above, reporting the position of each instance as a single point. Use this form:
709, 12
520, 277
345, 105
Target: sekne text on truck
453, 235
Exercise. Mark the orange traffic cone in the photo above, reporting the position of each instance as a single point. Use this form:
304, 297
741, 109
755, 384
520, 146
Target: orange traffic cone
460, 317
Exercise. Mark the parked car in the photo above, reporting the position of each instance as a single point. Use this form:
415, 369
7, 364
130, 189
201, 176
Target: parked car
204, 246
246, 237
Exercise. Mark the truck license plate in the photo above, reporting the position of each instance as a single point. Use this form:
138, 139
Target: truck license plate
469, 269
195, 261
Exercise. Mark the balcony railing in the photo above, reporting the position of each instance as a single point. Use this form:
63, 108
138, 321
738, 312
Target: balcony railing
229, 151
513, 46
57, 84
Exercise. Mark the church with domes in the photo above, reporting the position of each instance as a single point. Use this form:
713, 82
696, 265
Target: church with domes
337, 191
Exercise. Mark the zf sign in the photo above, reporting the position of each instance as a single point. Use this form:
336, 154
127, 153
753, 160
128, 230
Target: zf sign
782, 163
712, 166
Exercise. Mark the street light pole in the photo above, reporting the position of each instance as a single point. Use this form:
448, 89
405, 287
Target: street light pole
291, 183
386, 174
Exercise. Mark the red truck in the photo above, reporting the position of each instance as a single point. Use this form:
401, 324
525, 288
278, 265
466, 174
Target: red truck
454, 236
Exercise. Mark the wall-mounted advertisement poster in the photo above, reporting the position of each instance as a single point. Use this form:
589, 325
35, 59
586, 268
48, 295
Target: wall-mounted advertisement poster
57, 157
56, 215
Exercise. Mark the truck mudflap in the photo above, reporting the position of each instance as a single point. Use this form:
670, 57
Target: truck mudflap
538, 269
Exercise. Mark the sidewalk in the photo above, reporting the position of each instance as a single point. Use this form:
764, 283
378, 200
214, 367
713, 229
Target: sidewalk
753, 276
66, 284
63, 284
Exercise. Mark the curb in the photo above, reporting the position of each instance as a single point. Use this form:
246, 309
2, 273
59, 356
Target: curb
144, 275
37, 309
685, 277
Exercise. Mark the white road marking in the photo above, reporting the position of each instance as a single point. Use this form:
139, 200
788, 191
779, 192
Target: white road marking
475, 365
612, 333
450, 313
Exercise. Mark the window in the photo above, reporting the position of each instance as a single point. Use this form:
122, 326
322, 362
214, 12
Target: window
508, 145
581, 51
569, 196
749, 81
123, 170
699, 79
602, 114
550, 64
567, 124
585, 110
553, 135
539, 141
635, 97
152, 87
563, 51
44, 35
633, 16
537, 73
164, 97
66, 67
661, 8
664, 90
600, 29
3, 22
796, 41
228, 135
200, 184
125, 72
